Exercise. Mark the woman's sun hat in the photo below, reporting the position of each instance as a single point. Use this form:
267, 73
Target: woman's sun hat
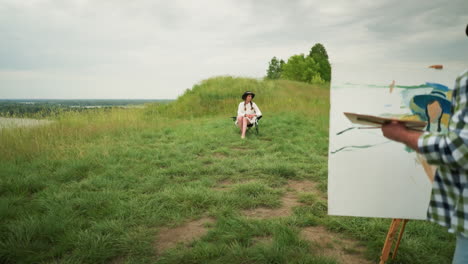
247, 93
419, 102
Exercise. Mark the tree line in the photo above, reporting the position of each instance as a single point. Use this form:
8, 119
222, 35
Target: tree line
313, 68
48, 107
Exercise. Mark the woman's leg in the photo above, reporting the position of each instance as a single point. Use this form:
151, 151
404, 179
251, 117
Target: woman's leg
239, 122
245, 122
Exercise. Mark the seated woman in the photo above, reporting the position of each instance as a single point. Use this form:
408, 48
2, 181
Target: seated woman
247, 112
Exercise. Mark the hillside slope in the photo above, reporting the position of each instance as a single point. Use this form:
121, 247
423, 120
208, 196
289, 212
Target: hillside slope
175, 184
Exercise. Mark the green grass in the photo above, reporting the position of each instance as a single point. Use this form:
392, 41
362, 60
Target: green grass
97, 187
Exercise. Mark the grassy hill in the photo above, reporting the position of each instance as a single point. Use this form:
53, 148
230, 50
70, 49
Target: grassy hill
174, 183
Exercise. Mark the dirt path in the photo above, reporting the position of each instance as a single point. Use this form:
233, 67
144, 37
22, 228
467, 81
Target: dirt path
322, 241
288, 201
334, 245
186, 233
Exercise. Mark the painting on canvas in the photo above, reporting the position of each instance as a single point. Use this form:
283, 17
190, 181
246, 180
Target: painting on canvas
369, 175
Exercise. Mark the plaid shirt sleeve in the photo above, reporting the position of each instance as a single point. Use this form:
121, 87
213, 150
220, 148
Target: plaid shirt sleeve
450, 149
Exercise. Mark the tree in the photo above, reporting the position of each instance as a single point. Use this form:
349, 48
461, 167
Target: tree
319, 54
318, 50
282, 64
274, 69
324, 69
301, 68
313, 68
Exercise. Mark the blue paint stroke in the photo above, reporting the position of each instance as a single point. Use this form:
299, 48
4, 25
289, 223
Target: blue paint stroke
438, 86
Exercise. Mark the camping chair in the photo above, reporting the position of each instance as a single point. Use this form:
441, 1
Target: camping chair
249, 126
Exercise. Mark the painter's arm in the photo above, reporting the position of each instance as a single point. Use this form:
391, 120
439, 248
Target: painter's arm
450, 149
398, 132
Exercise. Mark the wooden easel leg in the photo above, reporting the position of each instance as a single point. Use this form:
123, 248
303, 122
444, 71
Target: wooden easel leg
389, 240
399, 238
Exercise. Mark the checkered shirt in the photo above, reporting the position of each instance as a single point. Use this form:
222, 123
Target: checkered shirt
449, 198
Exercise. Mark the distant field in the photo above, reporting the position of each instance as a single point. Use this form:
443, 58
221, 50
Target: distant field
21, 122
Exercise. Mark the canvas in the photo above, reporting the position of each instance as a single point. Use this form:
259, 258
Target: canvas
369, 175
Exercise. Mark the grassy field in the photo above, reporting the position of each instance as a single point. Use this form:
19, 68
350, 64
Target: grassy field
175, 183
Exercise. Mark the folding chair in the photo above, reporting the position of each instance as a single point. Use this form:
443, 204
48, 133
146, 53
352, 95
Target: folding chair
249, 126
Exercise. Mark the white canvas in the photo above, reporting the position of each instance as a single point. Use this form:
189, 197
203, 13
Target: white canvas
369, 175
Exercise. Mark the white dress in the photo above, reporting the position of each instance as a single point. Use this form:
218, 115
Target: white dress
247, 110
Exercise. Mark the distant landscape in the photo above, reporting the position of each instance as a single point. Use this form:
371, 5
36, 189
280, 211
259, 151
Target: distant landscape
44, 107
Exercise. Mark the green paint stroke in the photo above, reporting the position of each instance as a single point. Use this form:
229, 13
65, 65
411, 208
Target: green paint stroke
341, 132
357, 147
396, 86
412, 86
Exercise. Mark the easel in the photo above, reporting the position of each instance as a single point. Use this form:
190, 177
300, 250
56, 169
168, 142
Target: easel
390, 237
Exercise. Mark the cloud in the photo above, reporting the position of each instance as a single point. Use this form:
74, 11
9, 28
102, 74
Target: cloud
157, 49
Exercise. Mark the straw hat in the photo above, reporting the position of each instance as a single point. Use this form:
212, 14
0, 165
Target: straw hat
419, 102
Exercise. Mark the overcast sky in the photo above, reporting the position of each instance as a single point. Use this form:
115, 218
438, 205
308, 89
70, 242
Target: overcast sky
157, 49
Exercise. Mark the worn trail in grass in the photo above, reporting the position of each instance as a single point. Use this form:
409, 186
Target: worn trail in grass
176, 184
